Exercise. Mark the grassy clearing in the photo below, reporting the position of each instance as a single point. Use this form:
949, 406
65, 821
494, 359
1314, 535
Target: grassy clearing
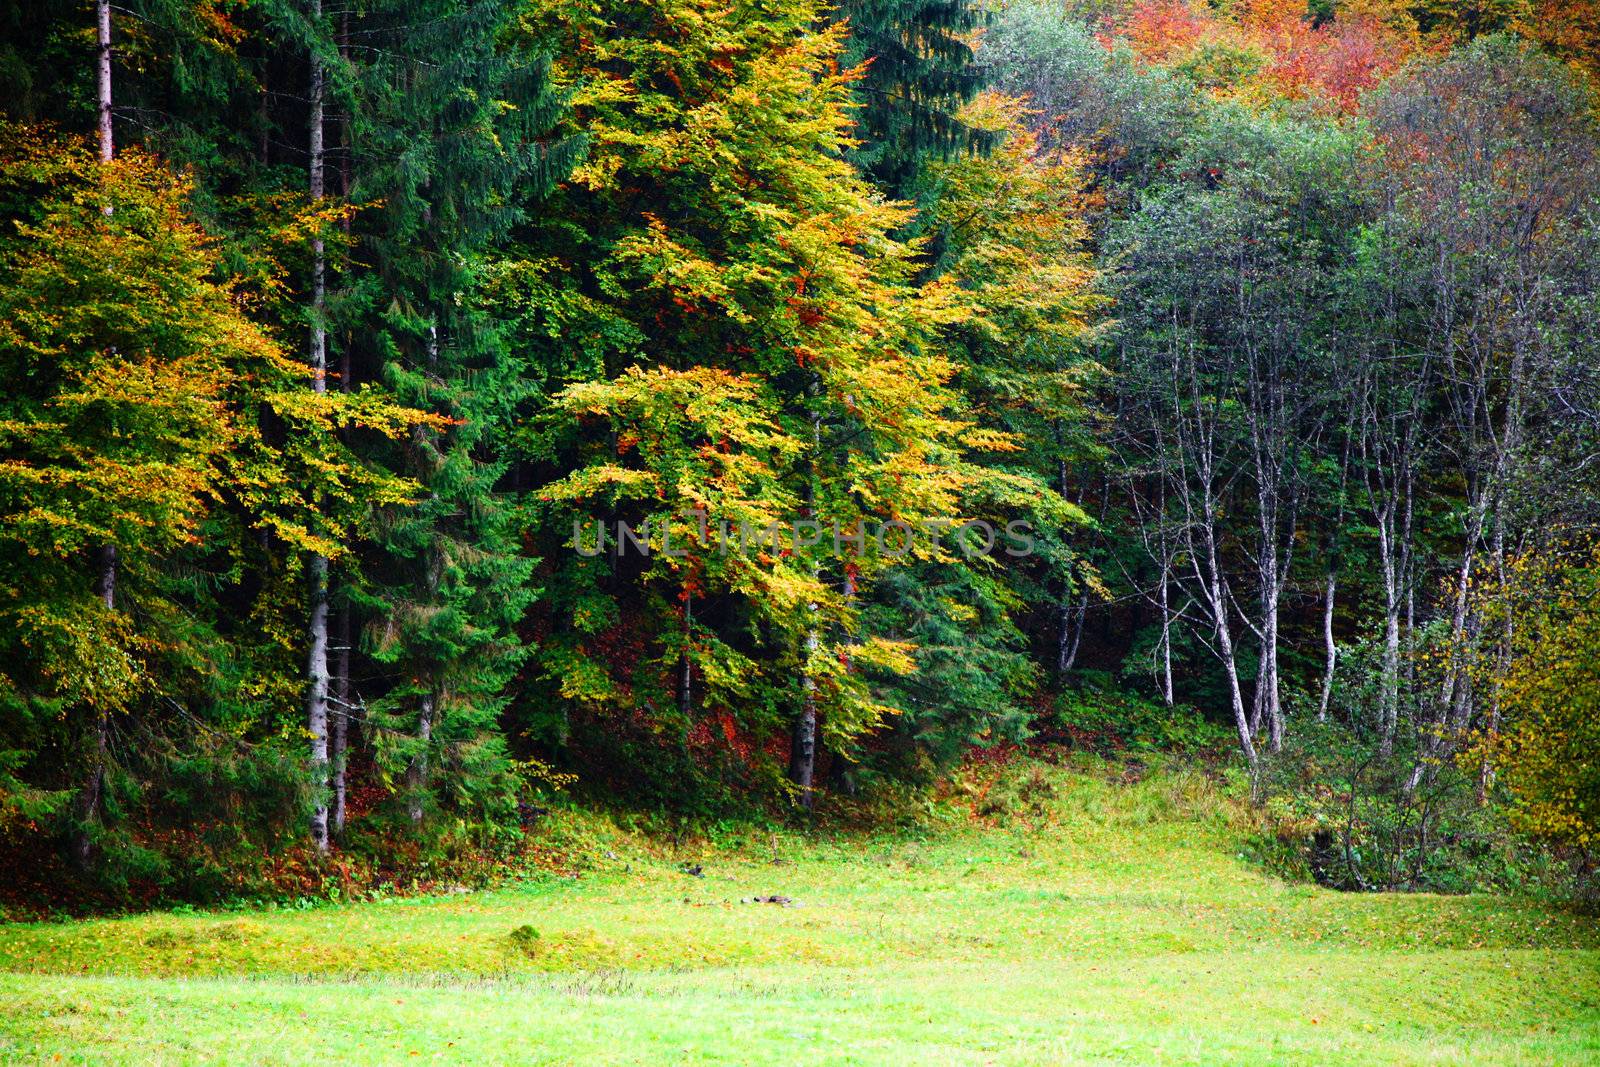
1083, 920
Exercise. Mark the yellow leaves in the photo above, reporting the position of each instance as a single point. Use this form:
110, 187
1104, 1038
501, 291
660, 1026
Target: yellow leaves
84, 651
595, 481
1548, 751
897, 657
1016, 224
146, 381
690, 279
719, 402
983, 439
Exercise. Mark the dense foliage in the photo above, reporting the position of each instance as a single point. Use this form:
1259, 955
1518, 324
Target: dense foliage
414, 406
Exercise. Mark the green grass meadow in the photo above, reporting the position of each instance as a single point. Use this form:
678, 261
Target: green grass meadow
1080, 920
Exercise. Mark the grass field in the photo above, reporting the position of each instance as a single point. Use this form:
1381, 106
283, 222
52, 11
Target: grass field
1084, 921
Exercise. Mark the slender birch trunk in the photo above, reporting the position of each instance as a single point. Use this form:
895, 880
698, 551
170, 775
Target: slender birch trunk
1271, 702
339, 739
417, 773
317, 674
103, 37
1197, 445
1231, 668
1164, 596
1389, 683
1217, 594
1166, 638
1330, 650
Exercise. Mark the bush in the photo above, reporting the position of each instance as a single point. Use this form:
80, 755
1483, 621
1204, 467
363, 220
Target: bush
1336, 809
1106, 720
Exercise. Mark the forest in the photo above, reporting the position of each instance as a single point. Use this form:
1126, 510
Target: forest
741, 531
423, 415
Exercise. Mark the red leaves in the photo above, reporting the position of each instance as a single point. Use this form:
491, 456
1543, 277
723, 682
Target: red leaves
1335, 62
1338, 62
1158, 30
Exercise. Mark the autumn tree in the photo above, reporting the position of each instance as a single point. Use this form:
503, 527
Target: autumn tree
1011, 229
149, 387
1543, 751
762, 356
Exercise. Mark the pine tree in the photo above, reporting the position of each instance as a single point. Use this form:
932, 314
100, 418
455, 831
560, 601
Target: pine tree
452, 135
919, 69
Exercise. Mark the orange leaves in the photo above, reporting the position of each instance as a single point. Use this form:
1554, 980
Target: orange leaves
1337, 62
1334, 62
1158, 30
1570, 29
809, 315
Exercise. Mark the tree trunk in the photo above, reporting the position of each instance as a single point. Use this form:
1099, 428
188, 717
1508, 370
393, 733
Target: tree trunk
1389, 700
1218, 597
803, 744
1408, 584
89, 797
1271, 577
1330, 650
317, 699
1166, 644
103, 35
106, 580
1454, 693
1165, 596
1071, 632
94, 779
1491, 724
1389, 682
685, 664
1269, 673
317, 565
340, 737
345, 687
1240, 722
417, 774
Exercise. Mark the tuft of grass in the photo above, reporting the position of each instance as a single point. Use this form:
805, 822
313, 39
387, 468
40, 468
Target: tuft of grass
525, 939
1045, 914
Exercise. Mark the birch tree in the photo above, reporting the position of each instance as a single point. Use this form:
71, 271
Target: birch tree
1491, 153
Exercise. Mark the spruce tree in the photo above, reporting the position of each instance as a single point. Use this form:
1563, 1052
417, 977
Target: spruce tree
918, 70
451, 139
